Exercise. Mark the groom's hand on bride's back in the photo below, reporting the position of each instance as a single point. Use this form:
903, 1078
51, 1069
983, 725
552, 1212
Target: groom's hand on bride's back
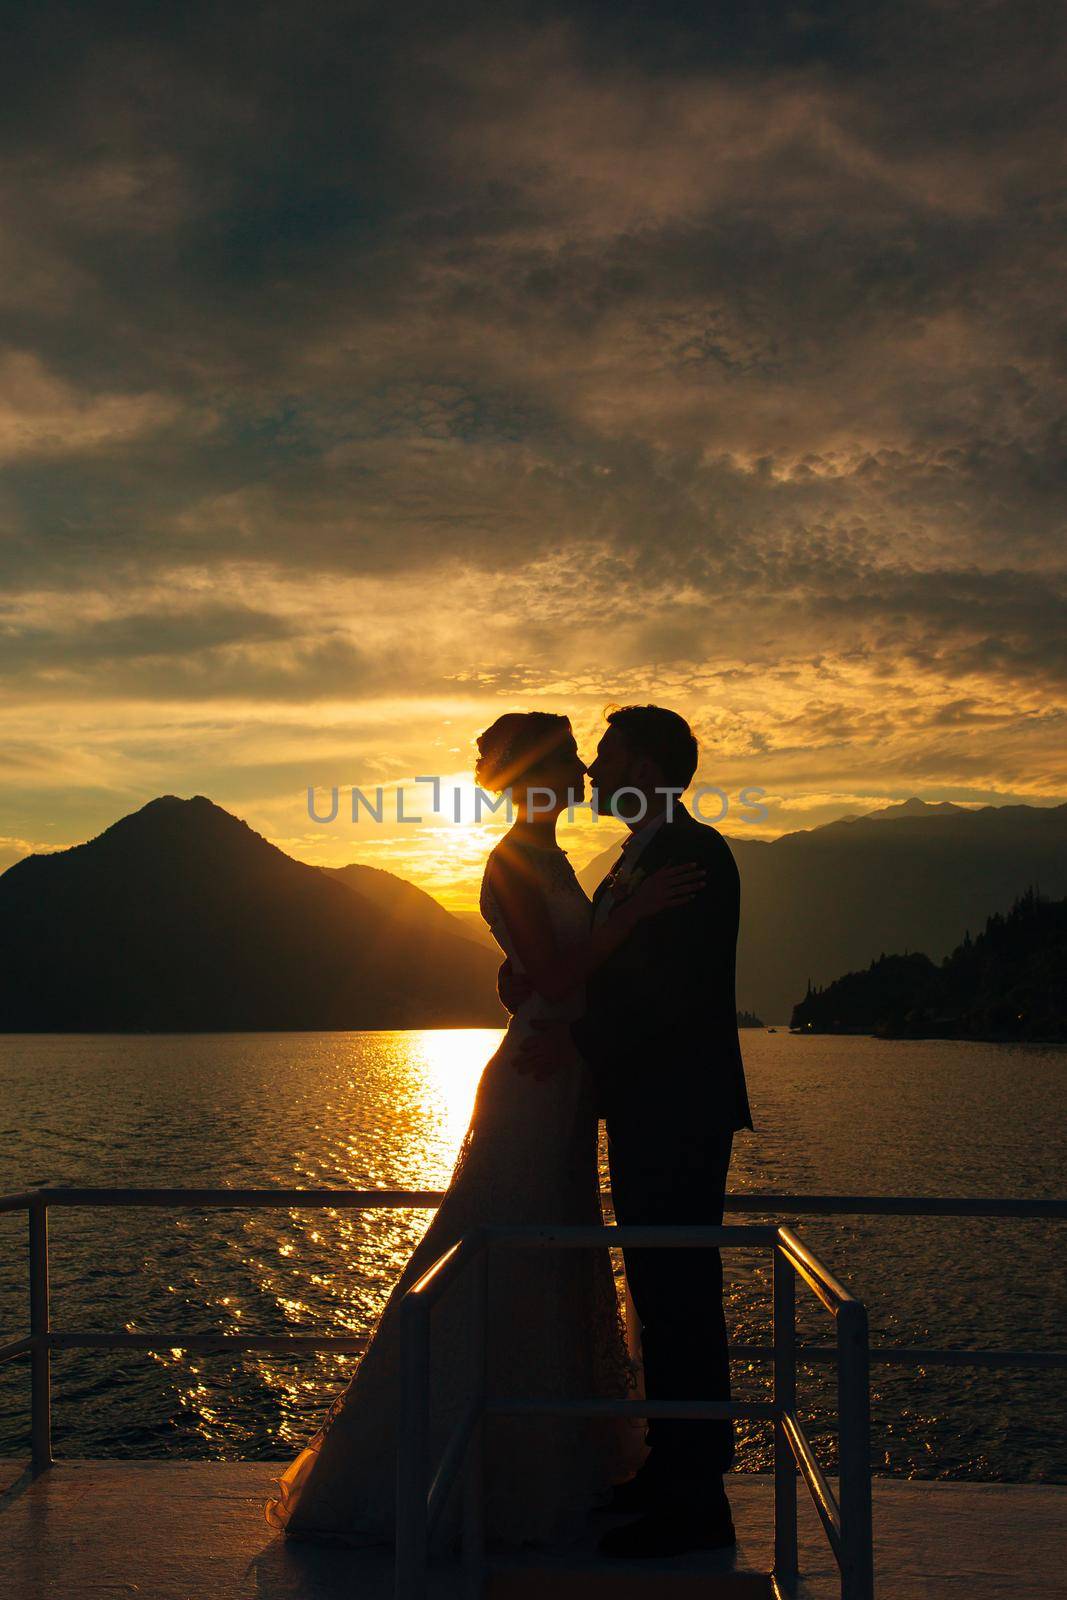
546, 1049
513, 988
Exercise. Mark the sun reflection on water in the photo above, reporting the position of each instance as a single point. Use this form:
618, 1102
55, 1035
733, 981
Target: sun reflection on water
451, 1061
382, 1110
333, 1270
388, 1109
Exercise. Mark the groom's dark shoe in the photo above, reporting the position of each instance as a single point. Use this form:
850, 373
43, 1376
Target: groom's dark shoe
669, 1532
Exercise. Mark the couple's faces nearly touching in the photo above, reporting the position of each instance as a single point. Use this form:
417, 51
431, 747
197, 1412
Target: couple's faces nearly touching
615, 767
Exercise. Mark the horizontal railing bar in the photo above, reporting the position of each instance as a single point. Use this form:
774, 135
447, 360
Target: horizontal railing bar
674, 1237
821, 1493
415, 1199
830, 1291
203, 1343
826, 1355
705, 1409
210, 1199
814, 1354
896, 1205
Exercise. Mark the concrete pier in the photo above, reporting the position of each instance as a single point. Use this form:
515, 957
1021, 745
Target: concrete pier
178, 1530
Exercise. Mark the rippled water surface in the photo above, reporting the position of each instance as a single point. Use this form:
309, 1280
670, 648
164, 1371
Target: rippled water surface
389, 1109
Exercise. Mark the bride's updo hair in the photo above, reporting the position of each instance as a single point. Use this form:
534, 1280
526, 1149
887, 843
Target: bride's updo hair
511, 750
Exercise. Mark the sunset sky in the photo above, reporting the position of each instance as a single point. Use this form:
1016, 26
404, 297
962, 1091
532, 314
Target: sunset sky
368, 371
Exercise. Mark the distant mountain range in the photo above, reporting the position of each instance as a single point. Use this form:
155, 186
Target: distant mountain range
910, 876
1008, 983
181, 918
407, 905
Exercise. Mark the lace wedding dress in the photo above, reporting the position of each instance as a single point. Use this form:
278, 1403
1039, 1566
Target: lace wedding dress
555, 1328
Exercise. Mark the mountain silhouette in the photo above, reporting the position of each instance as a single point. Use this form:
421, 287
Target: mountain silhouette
402, 902
829, 900
180, 917
1008, 983
912, 808
407, 902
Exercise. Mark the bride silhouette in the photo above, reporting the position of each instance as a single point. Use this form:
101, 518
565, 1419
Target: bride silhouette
529, 1155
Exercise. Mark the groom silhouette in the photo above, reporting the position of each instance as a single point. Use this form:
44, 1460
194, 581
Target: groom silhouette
660, 1035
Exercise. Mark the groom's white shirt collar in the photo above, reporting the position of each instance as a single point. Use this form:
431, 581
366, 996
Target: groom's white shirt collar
631, 849
641, 836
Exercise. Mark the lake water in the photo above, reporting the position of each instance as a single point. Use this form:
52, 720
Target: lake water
833, 1115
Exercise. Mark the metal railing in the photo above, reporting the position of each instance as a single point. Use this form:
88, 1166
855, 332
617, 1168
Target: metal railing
43, 1339
847, 1521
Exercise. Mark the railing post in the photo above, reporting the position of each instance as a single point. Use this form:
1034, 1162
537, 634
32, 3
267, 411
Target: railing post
785, 1399
474, 1467
854, 1422
40, 1325
412, 1442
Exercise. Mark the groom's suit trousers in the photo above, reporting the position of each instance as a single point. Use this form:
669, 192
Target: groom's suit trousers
665, 1171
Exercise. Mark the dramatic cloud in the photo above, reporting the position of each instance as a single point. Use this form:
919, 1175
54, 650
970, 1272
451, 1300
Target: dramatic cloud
366, 371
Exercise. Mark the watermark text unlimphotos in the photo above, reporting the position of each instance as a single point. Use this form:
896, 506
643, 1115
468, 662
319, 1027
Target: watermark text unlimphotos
706, 801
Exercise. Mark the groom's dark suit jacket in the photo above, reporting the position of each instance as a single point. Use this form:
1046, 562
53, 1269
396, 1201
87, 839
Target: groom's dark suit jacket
661, 1013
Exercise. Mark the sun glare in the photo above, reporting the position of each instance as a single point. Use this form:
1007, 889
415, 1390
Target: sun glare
453, 1059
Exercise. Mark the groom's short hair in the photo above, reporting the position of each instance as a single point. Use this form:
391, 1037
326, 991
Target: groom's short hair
661, 736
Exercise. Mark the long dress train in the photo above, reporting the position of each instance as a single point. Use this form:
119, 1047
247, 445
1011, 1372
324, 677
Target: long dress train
555, 1329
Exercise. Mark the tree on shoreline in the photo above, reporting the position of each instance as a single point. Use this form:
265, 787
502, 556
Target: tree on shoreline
1008, 983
